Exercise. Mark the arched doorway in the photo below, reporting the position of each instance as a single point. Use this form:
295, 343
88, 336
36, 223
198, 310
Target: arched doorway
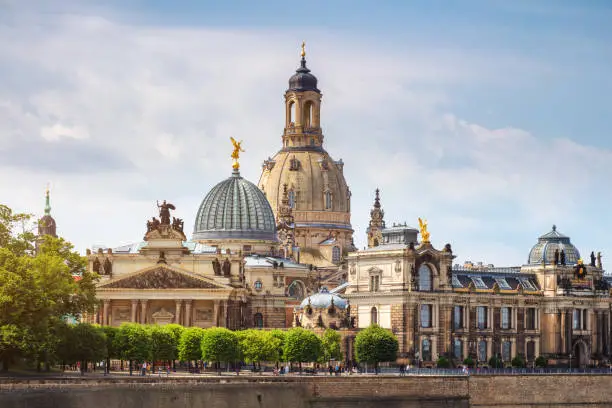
581, 354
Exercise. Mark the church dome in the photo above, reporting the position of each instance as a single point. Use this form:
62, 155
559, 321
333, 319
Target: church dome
235, 209
544, 250
303, 80
323, 300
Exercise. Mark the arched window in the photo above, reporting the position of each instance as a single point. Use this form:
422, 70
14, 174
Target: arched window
292, 199
291, 113
426, 350
258, 321
328, 200
425, 284
374, 316
296, 290
336, 254
308, 111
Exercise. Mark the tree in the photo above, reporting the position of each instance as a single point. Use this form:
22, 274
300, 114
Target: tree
496, 362
330, 342
257, 346
164, 345
518, 362
190, 344
301, 346
134, 343
88, 344
374, 345
541, 362
281, 336
219, 344
443, 362
112, 350
469, 362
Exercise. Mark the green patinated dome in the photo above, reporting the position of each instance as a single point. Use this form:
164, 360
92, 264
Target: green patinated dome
235, 209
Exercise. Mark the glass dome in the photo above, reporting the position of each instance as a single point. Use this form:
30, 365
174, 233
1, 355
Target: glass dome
544, 250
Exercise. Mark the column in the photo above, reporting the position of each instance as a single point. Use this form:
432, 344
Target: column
177, 311
215, 313
107, 303
489, 347
515, 318
223, 314
134, 310
466, 317
490, 316
96, 314
434, 348
537, 347
464, 339
143, 311
187, 319
513, 347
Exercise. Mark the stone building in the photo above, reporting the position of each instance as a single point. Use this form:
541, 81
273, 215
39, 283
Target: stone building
231, 273
314, 182
554, 306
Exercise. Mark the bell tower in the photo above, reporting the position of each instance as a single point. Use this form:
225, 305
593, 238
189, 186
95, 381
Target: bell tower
302, 109
377, 223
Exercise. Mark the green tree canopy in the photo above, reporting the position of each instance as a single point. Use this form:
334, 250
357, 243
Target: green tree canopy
219, 344
190, 344
257, 346
133, 342
375, 344
330, 342
281, 336
302, 345
164, 345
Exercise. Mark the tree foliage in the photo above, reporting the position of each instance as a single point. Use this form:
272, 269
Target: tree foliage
38, 290
257, 346
375, 344
164, 344
219, 345
190, 344
302, 345
134, 342
330, 342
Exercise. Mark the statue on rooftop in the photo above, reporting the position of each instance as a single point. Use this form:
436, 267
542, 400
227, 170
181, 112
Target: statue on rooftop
563, 257
424, 232
592, 258
164, 212
556, 259
599, 266
236, 152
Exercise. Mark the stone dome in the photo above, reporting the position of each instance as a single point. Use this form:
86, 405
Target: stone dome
235, 209
323, 300
303, 80
544, 250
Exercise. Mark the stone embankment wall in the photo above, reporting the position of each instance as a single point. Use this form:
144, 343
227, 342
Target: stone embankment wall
310, 392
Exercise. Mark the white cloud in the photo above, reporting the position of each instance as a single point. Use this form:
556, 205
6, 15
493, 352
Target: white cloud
140, 113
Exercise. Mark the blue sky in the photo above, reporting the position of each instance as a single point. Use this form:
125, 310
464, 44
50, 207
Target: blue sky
489, 118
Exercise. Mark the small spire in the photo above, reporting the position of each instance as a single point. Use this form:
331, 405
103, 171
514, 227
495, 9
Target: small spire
47, 203
377, 199
554, 227
303, 53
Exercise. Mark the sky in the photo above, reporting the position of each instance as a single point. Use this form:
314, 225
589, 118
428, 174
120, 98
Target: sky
490, 119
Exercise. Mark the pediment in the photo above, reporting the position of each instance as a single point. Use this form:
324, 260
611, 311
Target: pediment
163, 277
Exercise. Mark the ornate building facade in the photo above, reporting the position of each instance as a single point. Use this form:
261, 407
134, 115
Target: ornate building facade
315, 187
554, 306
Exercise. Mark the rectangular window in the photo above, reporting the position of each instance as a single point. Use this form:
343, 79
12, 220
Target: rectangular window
481, 317
458, 317
530, 318
458, 349
502, 283
505, 317
426, 316
506, 350
374, 283
482, 350
478, 282
577, 319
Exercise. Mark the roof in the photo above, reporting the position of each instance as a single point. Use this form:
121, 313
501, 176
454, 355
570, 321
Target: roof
323, 300
235, 209
268, 261
509, 282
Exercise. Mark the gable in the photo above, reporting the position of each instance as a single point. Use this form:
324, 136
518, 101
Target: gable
162, 277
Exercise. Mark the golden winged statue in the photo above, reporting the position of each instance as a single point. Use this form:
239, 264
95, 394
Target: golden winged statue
424, 232
236, 153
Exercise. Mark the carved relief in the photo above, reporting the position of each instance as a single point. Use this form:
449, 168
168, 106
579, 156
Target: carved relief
203, 314
162, 317
161, 278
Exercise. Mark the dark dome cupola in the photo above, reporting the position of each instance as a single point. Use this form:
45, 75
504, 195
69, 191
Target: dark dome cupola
303, 80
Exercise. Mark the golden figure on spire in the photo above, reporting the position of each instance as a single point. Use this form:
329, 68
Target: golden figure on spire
236, 153
303, 53
424, 232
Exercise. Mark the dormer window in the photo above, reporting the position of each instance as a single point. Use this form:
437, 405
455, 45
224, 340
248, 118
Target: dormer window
294, 164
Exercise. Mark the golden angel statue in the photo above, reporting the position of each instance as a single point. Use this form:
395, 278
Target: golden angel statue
424, 232
236, 153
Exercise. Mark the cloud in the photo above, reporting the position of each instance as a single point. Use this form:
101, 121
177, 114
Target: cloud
119, 115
